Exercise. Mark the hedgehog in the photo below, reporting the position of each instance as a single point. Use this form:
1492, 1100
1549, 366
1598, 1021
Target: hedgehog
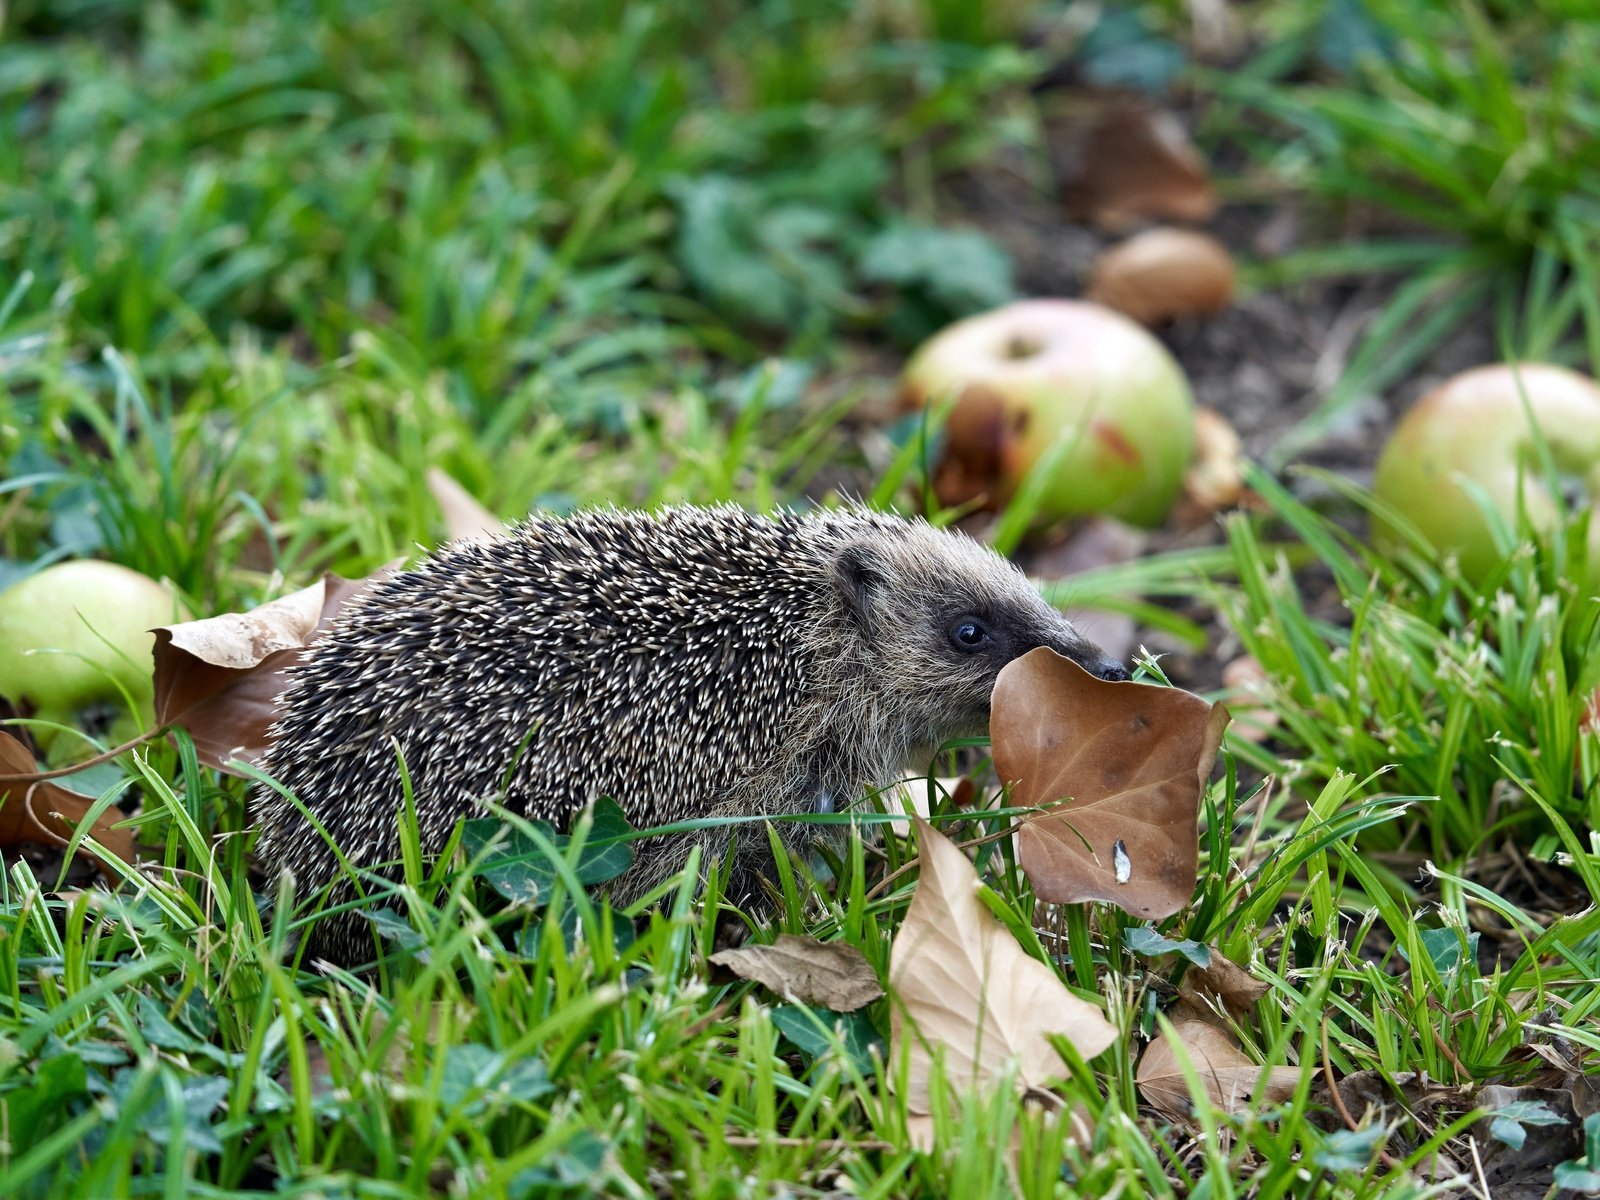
690, 662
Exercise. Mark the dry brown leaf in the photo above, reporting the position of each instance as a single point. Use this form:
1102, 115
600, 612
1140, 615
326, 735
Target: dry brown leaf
463, 516
1164, 274
920, 1132
1224, 979
832, 975
1122, 767
910, 795
1246, 680
220, 678
964, 989
1369, 1093
1137, 163
1227, 1076
45, 813
1215, 478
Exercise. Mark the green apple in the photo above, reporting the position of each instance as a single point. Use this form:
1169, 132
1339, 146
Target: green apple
75, 638
1474, 427
1032, 374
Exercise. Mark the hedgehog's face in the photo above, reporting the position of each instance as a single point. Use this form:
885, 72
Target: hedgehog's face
939, 617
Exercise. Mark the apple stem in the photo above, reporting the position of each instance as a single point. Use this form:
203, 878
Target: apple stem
104, 756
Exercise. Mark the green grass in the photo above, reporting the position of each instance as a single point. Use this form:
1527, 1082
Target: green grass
1471, 694
262, 266
1460, 131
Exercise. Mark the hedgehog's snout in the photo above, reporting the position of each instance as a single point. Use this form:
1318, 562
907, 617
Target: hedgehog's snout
1066, 640
1097, 662
1110, 670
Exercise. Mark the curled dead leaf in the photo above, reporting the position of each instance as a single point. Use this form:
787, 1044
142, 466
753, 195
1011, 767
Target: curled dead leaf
1162, 275
1215, 479
220, 678
1222, 979
832, 975
1227, 1077
1135, 163
966, 992
1372, 1093
45, 813
463, 516
1119, 769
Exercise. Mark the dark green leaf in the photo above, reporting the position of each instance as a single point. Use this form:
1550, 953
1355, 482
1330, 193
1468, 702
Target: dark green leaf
45, 1100
392, 927
960, 270
1147, 943
808, 1029
200, 1096
1348, 35
476, 1075
1444, 948
1350, 1149
1121, 50
159, 1031
1576, 1177
579, 1164
521, 871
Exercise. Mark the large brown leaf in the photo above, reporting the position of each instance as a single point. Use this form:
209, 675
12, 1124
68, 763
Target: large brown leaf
1226, 1075
44, 813
220, 678
964, 990
1121, 767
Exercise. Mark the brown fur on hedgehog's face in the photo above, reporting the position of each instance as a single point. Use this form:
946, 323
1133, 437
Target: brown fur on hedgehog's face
941, 616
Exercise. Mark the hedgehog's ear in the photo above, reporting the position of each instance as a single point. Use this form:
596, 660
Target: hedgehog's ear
858, 573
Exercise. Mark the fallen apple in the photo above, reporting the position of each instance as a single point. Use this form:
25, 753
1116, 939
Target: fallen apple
1474, 430
1032, 374
75, 645
1164, 274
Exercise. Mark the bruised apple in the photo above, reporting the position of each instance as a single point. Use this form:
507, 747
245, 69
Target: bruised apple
75, 644
1474, 429
1064, 379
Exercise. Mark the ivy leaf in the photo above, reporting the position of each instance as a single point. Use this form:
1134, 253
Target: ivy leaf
478, 1076
852, 1034
768, 262
1122, 51
960, 270
44, 1100
199, 1097
521, 871
1147, 943
1350, 1149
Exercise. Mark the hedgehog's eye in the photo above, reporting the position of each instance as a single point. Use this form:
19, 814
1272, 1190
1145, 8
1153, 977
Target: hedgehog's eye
969, 634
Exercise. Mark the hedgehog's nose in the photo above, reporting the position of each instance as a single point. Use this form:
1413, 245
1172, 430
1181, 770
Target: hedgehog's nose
1111, 670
